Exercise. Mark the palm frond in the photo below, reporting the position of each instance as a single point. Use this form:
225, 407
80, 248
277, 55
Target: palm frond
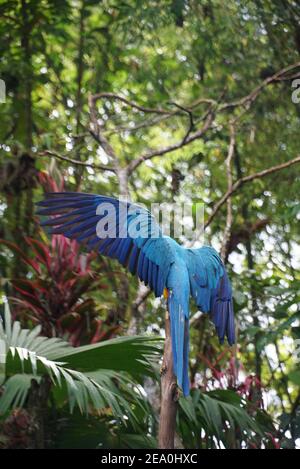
28, 355
135, 355
221, 414
15, 392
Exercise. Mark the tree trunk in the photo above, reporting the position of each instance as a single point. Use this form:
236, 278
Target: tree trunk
169, 394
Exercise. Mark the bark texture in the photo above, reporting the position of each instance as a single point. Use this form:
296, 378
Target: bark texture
169, 395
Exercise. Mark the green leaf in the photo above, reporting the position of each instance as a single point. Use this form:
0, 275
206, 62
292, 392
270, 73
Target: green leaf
294, 376
134, 355
15, 392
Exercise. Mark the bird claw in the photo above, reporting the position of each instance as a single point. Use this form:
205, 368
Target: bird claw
177, 394
163, 369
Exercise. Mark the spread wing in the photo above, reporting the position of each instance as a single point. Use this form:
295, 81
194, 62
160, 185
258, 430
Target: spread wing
117, 229
211, 289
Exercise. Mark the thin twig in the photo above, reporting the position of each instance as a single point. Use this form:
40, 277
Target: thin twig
96, 130
160, 114
191, 119
132, 104
58, 156
183, 142
245, 180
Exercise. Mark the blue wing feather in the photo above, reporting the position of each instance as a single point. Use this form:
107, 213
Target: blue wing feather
75, 216
211, 289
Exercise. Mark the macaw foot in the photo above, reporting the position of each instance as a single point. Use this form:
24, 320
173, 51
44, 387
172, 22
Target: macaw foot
176, 394
163, 369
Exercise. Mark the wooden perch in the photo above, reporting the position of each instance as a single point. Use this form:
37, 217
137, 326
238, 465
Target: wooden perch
169, 394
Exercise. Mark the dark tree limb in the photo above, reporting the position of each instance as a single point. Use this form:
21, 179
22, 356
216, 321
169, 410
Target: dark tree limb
169, 394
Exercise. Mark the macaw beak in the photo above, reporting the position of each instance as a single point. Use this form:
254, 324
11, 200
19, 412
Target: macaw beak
166, 293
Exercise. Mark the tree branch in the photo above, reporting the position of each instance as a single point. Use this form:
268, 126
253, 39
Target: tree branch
96, 130
191, 119
183, 142
214, 108
245, 180
247, 100
114, 96
76, 162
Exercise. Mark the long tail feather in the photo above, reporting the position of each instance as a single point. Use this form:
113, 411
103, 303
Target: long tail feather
180, 342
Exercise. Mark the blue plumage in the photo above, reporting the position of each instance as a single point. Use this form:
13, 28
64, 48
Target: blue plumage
158, 261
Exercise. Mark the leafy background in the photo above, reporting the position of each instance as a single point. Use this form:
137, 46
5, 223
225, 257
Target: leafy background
53, 56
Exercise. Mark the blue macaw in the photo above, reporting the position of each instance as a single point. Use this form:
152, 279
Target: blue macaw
159, 261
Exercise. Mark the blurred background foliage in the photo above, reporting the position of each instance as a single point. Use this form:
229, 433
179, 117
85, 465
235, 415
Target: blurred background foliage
55, 55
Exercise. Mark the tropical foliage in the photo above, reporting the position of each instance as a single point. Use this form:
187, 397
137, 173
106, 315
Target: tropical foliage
90, 377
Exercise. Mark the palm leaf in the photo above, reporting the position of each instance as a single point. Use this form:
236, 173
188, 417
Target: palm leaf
28, 354
221, 414
15, 392
135, 355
